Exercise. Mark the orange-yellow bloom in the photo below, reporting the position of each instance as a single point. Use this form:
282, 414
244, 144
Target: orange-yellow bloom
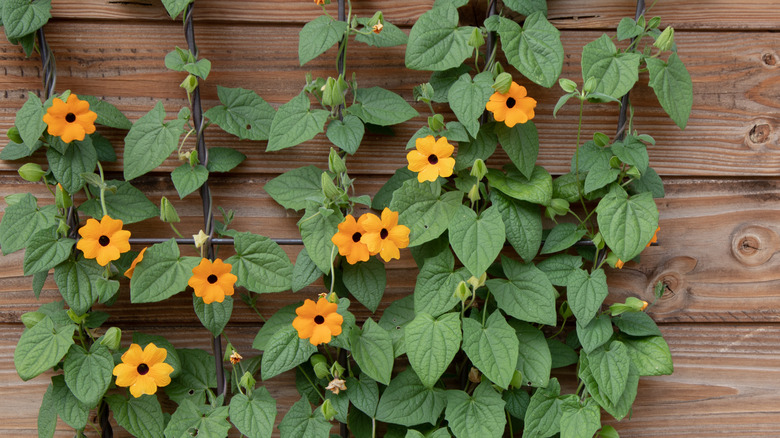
619, 264
138, 258
318, 322
212, 280
104, 240
70, 120
655, 237
384, 236
377, 28
513, 107
431, 158
348, 240
143, 370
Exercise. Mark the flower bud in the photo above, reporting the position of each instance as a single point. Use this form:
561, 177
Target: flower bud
665, 41
567, 85
336, 164
654, 22
473, 193
565, 310
615, 162
62, 197
331, 94
321, 370
13, 135
436, 122
502, 83
168, 212
62, 228
31, 172
423, 92
476, 40
632, 304
598, 240
333, 298
517, 380
633, 172
31, 319
111, 338
462, 292
474, 376
600, 139
247, 381
479, 169
328, 411
559, 206
590, 84
317, 358
475, 282
336, 370
328, 188
190, 83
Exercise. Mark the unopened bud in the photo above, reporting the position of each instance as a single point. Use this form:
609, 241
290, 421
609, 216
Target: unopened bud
653, 22
567, 85
423, 92
168, 211
476, 39
600, 139
328, 188
632, 304
190, 83
598, 240
331, 94
247, 381
31, 319
62, 197
462, 292
336, 370
321, 370
473, 193
475, 282
590, 84
336, 164
633, 172
479, 169
474, 376
13, 135
436, 122
328, 411
517, 380
377, 18
665, 41
111, 338
31, 172
502, 83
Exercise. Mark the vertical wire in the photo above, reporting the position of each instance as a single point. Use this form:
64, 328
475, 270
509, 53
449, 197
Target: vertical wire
342, 15
205, 192
623, 117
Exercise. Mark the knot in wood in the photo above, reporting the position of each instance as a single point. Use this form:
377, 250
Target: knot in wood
769, 59
754, 245
760, 133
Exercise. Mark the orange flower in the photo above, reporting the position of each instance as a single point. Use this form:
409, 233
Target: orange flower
143, 370
320, 2
104, 240
138, 258
212, 281
348, 240
619, 264
70, 120
655, 237
644, 305
318, 322
513, 107
384, 236
235, 357
377, 28
431, 158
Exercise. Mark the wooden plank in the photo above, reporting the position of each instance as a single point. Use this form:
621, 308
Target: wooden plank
725, 383
566, 14
730, 132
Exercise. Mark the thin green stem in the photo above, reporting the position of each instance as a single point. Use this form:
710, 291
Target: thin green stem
102, 190
332, 273
509, 422
484, 307
317, 390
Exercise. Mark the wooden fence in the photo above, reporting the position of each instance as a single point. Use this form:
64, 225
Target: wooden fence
720, 220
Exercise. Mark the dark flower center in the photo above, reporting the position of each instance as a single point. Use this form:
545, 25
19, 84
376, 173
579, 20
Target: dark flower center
356, 237
319, 319
104, 240
212, 279
142, 369
383, 234
433, 159
510, 102
70, 117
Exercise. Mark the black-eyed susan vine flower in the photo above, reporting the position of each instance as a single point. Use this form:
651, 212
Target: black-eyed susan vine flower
348, 241
70, 120
138, 259
431, 158
318, 322
212, 281
143, 371
103, 241
512, 107
384, 236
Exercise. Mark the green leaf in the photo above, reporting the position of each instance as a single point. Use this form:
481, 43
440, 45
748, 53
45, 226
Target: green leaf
175, 7
128, 204
436, 283
522, 223
609, 365
637, 324
394, 319
467, 98
88, 374
622, 407
260, 264
107, 114
422, 209
441, 81
616, 72
525, 294
432, 344
224, 159
650, 356
177, 58
559, 267
214, 316
295, 123
207, 420
200, 68
627, 223
562, 354
650, 182
253, 416
600, 174
585, 293
69, 408
580, 419
319, 35
295, 188
537, 189
29, 120
103, 148
162, 274
76, 281
141, 416
436, 42
16, 151
627, 28
284, 351
23, 17
363, 394
492, 348
79, 158
543, 416
45, 251
477, 240
301, 422
372, 349
22, 220
534, 359
517, 400
633, 152
187, 178
305, 272
478, 415
390, 36
521, 144
150, 141
406, 401
197, 373
282, 318
534, 49
381, 107
47, 415
366, 282
527, 7
42, 347
562, 237
316, 231
346, 134
481, 147
672, 84
243, 113
595, 333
